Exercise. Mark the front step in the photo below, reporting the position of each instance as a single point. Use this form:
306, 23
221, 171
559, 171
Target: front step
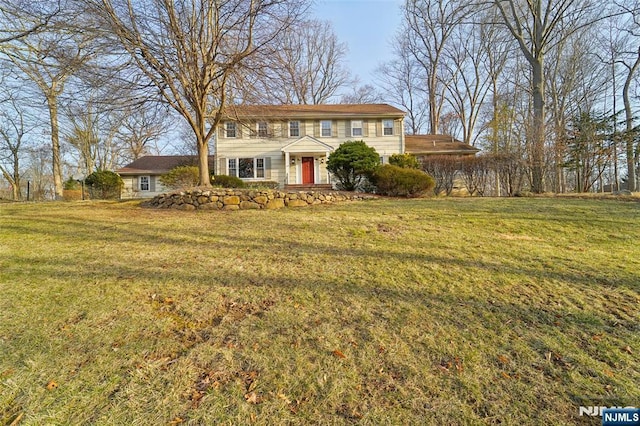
314, 187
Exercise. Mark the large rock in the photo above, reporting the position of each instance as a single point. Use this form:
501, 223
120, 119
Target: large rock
276, 203
297, 203
231, 200
260, 199
249, 205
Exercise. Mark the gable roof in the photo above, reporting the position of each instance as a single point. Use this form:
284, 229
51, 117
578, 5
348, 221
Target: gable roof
160, 164
312, 111
307, 144
437, 145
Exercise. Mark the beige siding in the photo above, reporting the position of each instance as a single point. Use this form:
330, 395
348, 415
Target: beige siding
253, 147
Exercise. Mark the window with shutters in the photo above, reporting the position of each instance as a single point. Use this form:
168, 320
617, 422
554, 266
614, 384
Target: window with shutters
145, 183
294, 129
325, 128
356, 128
230, 129
387, 127
263, 130
247, 168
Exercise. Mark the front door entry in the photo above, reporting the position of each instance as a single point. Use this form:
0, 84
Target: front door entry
308, 171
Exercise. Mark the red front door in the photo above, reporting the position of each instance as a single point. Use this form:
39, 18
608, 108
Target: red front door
307, 171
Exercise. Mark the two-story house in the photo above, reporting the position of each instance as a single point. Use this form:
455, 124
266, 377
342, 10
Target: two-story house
290, 144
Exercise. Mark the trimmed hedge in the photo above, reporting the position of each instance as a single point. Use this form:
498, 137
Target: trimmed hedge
396, 181
104, 184
181, 177
224, 181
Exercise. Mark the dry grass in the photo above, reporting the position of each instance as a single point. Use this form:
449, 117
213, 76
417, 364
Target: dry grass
444, 311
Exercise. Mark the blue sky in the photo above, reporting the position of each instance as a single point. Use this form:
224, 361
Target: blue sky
367, 26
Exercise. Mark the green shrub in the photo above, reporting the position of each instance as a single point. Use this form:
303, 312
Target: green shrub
181, 177
406, 161
224, 181
351, 163
71, 184
400, 182
104, 184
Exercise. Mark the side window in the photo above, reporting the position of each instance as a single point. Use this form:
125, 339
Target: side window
144, 183
387, 127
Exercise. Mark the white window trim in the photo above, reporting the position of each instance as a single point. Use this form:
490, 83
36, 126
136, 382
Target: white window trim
148, 178
322, 129
266, 129
353, 128
391, 127
294, 136
255, 168
226, 129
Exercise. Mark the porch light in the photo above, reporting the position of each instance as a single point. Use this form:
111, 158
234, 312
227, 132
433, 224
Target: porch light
322, 160
293, 161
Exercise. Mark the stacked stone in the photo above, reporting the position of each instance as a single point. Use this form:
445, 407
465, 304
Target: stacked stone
234, 199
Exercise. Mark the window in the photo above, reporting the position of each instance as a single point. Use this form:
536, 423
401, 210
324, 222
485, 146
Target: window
356, 128
230, 129
387, 127
144, 183
260, 167
262, 129
325, 128
247, 168
294, 128
233, 167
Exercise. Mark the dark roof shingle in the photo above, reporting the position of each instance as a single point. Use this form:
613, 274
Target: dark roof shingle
313, 111
159, 164
437, 144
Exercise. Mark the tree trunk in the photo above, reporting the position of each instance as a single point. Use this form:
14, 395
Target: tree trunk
538, 131
628, 113
52, 103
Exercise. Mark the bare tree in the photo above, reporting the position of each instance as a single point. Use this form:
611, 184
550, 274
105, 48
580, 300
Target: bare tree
469, 84
362, 94
402, 85
536, 26
189, 50
429, 25
24, 18
305, 65
49, 59
13, 129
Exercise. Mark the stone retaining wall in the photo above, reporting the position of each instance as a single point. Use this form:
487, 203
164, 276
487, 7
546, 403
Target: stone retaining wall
238, 199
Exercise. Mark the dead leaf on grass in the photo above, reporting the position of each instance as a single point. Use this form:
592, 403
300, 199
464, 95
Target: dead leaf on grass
338, 354
52, 385
608, 373
284, 398
176, 421
627, 349
252, 398
597, 337
503, 359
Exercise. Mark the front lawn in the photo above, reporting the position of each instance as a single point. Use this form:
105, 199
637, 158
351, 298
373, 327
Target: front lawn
429, 311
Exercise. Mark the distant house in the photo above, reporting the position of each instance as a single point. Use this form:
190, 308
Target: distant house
426, 145
141, 178
290, 144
